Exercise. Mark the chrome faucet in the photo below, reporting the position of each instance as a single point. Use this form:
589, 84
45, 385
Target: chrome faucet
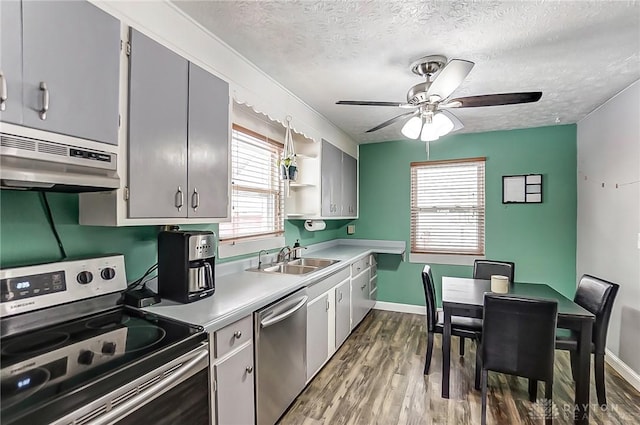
282, 257
259, 257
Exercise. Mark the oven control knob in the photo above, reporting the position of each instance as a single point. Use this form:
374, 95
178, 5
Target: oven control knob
109, 348
108, 273
85, 357
85, 277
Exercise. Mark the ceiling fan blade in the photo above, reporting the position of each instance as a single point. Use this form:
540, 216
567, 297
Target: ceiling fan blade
450, 78
457, 124
391, 121
374, 103
493, 100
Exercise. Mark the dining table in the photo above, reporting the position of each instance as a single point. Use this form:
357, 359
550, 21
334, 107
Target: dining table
465, 297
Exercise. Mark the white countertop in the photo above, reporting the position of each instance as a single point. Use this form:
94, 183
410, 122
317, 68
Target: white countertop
239, 292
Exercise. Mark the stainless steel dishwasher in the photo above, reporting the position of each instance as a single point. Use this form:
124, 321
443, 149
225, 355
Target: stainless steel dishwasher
281, 359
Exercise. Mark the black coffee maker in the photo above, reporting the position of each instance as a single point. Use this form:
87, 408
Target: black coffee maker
186, 265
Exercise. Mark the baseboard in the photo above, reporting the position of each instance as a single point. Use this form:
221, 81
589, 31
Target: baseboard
400, 308
621, 367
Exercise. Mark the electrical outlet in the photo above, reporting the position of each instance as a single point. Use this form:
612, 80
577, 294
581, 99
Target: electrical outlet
351, 229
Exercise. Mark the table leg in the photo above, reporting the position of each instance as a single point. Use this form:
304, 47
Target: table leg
446, 352
583, 375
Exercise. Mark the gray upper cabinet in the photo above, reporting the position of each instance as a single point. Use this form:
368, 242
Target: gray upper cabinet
331, 173
158, 100
11, 62
349, 186
208, 144
339, 182
71, 63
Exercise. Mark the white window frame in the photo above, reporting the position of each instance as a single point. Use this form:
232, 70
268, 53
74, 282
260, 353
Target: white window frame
251, 244
450, 258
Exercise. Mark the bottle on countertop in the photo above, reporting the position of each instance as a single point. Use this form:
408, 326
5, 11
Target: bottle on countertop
296, 249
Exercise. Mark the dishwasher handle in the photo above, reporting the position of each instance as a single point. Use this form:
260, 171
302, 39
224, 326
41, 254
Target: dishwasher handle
280, 317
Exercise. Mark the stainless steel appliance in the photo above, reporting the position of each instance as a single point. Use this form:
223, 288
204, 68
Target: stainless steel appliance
280, 331
72, 354
33, 159
186, 262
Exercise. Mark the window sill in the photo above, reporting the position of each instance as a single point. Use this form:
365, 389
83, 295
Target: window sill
233, 249
448, 259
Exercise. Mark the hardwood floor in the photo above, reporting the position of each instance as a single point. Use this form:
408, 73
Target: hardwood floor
376, 378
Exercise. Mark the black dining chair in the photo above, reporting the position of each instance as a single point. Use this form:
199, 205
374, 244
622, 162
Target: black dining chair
462, 327
483, 269
518, 337
597, 296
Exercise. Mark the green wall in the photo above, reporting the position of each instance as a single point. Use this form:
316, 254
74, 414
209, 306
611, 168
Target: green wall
539, 238
25, 236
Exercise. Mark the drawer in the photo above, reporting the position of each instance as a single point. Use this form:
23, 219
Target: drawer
359, 266
232, 336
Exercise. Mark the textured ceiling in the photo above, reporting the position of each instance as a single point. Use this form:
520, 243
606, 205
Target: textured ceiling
579, 54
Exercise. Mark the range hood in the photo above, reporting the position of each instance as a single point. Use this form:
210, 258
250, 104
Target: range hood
63, 165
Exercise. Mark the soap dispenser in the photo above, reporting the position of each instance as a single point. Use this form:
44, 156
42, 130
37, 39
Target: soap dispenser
296, 249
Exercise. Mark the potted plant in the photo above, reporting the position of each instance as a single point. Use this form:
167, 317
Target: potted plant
288, 168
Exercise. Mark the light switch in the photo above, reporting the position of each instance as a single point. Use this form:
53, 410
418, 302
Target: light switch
351, 229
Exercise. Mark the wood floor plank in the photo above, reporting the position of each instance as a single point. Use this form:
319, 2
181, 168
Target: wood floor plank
376, 378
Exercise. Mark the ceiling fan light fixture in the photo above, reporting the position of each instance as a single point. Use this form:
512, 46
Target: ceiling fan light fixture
439, 126
412, 128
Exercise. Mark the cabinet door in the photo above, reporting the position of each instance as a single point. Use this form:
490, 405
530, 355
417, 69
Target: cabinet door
343, 311
234, 396
11, 60
158, 88
349, 186
359, 297
74, 49
317, 334
208, 146
331, 177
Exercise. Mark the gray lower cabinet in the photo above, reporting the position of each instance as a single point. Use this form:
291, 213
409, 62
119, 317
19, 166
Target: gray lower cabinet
343, 312
349, 186
71, 69
359, 297
235, 403
158, 102
317, 334
331, 179
178, 136
11, 62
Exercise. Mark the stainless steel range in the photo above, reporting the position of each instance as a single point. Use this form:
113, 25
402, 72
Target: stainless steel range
71, 354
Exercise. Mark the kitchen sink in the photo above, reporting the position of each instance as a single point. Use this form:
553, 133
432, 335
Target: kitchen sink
313, 262
297, 266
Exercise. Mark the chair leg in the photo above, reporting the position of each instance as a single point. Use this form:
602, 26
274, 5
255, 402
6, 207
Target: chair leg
599, 377
427, 361
533, 390
484, 397
548, 395
478, 367
461, 346
574, 364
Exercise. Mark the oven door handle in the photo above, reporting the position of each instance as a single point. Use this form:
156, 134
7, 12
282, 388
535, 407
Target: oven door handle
151, 392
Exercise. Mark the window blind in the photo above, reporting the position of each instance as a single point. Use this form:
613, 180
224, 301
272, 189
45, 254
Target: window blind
257, 203
447, 207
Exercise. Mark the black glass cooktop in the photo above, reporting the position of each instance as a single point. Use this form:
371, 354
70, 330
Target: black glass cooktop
41, 368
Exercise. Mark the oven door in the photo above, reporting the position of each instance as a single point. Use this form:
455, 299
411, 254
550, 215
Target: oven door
176, 393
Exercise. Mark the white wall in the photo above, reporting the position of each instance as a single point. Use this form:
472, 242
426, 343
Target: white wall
609, 216
169, 26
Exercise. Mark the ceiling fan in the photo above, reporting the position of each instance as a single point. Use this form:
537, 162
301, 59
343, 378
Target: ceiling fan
431, 101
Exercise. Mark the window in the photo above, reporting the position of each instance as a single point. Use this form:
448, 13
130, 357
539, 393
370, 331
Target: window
447, 207
256, 190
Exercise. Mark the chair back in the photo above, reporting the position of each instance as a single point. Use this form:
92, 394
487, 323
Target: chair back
429, 297
483, 269
597, 296
518, 336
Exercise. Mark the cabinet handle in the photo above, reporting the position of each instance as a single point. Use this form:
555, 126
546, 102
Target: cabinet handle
179, 198
363, 286
195, 199
340, 296
45, 100
249, 369
237, 334
3, 92
327, 306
